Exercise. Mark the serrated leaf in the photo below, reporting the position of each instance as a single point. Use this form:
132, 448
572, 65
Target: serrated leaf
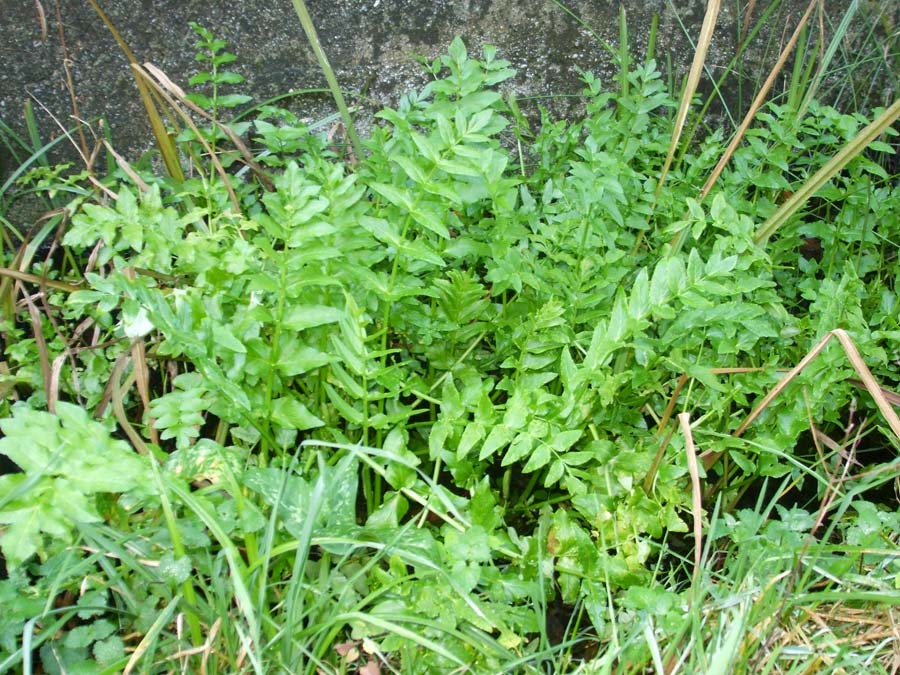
82, 636
419, 250
199, 100
437, 438
224, 337
174, 570
639, 300
200, 78
110, 650
383, 230
346, 410
517, 411
297, 358
554, 473
473, 433
229, 77
498, 437
430, 219
393, 194
232, 100
563, 440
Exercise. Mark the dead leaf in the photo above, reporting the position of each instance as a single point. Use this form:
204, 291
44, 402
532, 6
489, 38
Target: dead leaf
371, 668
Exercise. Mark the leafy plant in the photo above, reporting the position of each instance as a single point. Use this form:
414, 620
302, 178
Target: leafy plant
407, 406
57, 487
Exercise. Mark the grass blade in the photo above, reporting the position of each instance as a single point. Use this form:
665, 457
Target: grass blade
164, 142
690, 86
757, 102
827, 172
312, 36
865, 375
684, 420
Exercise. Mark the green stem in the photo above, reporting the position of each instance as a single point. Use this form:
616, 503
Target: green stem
274, 356
179, 551
312, 36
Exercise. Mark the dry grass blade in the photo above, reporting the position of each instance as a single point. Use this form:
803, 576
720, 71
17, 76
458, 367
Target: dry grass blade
865, 376
117, 396
142, 375
178, 94
823, 175
745, 23
40, 281
690, 87
758, 101
126, 167
868, 380
667, 415
42, 350
684, 420
830, 628
161, 84
164, 141
70, 87
42, 20
891, 396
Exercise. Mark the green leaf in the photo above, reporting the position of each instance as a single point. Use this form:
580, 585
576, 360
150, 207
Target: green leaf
498, 437
393, 194
346, 410
232, 100
296, 358
554, 473
472, 434
292, 414
518, 449
538, 459
431, 218
109, 651
224, 337
301, 317
175, 570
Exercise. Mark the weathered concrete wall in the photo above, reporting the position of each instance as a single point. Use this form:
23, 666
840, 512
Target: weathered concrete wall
371, 44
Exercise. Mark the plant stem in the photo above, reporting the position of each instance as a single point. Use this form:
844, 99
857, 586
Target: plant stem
312, 36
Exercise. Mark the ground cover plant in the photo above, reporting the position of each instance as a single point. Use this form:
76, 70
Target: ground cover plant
488, 395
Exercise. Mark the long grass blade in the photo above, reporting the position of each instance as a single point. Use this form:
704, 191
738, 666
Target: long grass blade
164, 142
690, 86
684, 420
313, 37
758, 101
828, 56
865, 376
827, 172
158, 81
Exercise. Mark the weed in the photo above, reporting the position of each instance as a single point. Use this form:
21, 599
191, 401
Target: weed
386, 415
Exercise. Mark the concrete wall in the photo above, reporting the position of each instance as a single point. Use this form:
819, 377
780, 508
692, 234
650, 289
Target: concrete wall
371, 44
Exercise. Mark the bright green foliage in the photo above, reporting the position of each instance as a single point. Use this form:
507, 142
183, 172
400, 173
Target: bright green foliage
212, 52
66, 459
413, 402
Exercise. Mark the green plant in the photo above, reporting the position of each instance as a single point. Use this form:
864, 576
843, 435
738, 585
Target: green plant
404, 408
56, 489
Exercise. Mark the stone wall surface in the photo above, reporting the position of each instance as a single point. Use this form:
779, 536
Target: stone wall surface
371, 43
